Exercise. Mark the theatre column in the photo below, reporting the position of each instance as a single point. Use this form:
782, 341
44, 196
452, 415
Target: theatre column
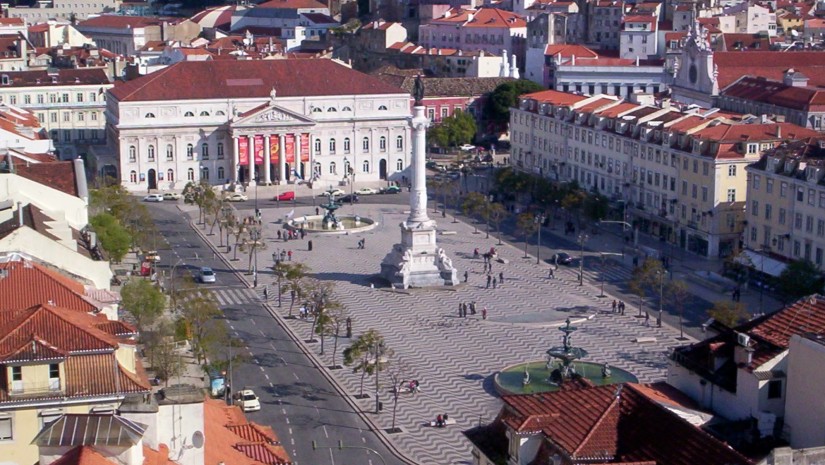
252, 152
282, 158
236, 167
267, 162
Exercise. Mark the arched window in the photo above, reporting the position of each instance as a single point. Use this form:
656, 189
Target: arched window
399, 165
382, 144
332, 145
204, 113
220, 153
365, 144
133, 176
220, 113
190, 174
205, 173
331, 110
317, 110
317, 145
346, 145
170, 175
399, 143
346, 109
190, 151
346, 168
170, 154
132, 153
221, 173
365, 167
204, 151
151, 153
332, 169
149, 115
188, 114
382, 108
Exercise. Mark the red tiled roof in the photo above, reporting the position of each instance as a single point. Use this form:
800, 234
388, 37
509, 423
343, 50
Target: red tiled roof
771, 65
27, 284
775, 93
801, 317
82, 455
12, 21
555, 97
157, 457
119, 22
293, 4
250, 79
232, 439
63, 76
97, 375
58, 175
579, 51
494, 17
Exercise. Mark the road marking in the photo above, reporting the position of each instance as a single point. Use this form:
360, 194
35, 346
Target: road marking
326, 435
262, 333
290, 431
262, 368
363, 439
232, 328
331, 457
286, 419
283, 411
292, 441
256, 361
265, 375
296, 376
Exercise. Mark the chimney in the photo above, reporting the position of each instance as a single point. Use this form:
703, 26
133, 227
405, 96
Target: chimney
80, 179
778, 131
637, 62
573, 60
513, 67
20, 214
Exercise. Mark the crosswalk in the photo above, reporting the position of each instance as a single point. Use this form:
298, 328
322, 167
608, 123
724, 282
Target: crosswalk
596, 272
237, 295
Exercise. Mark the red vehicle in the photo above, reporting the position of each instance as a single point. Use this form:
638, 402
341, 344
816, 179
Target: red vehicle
286, 196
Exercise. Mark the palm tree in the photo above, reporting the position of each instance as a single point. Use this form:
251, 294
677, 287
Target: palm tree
527, 225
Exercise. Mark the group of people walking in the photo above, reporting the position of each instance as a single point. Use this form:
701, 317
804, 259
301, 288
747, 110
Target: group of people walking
618, 306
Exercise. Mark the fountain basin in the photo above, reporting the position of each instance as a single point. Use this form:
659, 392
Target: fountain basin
509, 380
316, 224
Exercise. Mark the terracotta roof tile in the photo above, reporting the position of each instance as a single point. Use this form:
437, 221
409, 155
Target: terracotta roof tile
82, 455
555, 97
232, 439
250, 79
27, 284
118, 22
293, 4
771, 65
579, 51
60, 78
59, 175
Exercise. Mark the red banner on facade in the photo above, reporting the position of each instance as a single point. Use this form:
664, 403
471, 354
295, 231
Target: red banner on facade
274, 148
259, 149
289, 142
305, 147
243, 150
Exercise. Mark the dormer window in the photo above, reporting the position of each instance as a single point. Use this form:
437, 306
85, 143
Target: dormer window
346, 109
5, 80
332, 110
188, 114
204, 113
752, 148
382, 108
149, 115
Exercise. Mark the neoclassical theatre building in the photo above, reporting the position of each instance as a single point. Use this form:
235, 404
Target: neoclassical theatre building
257, 121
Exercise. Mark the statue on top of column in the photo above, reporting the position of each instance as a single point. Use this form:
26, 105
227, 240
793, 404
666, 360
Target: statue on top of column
418, 90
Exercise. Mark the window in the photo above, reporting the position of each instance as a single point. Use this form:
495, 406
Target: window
79, 97
204, 151
149, 115
754, 208
382, 144
54, 370
705, 168
132, 153
13, 99
332, 169
755, 181
94, 116
781, 216
170, 175
317, 145
53, 117
365, 167
190, 151
221, 174
769, 186
820, 228
92, 97
170, 155
332, 145
64, 98
220, 152
151, 153
220, 113
190, 174
382, 108
797, 222
133, 176
346, 109
800, 194
41, 100
796, 248
365, 144
731, 170
81, 116
17, 373
775, 389
188, 114
811, 197
818, 259
67, 116
346, 145
27, 99
399, 165
6, 429
399, 143
332, 110
731, 195
783, 189
204, 113
768, 210
704, 193
205, 173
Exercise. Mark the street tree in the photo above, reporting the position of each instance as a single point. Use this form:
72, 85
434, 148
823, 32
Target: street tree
596, 207
113, 237
360, 355
526, 225
397, 373
728, 313
319, 296
677, 291
645, 278
505, 96
574, 201
294, 273
164, 359
143, 300
473, 204
198, 308
326, 323
201, 195
337, 316
497, 214
800, 278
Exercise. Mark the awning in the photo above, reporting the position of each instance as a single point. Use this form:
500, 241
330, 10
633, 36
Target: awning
760, 262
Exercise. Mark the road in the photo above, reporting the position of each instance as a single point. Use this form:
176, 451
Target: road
297, 401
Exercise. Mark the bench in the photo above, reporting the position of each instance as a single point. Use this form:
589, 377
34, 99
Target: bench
447, 422
448, 233
644, 339
502, 260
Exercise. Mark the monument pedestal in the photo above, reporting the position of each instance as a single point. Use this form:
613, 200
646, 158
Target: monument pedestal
417, 261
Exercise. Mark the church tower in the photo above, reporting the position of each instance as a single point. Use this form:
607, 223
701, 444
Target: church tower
694, 73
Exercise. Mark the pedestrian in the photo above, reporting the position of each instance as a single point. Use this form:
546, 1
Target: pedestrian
550, 274
289, 254
363, 243
615, 305
464, 308
494, 283
279, 234
309, 245
647, 318
475, 252
472, 308
489, 280
317, 212
460, 310
490, 267
466, 275
501, 277
484, 313
266, 293
621, 306
303, 233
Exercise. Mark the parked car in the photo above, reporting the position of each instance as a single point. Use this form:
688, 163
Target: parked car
366, 191
286, 196
349, 198
247, 401
334, 192
171, 196
562, 258
153, 198
390, 190
206, 275
467, 147
236, 197
151, 256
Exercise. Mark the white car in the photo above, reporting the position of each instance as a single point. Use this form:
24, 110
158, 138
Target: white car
366, 191
236, 197
206, 275
467, 147
153, 198
171, 196
247, 401
334, 192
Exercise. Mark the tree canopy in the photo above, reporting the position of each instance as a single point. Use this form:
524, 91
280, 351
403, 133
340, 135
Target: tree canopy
458, 129
505, 96
113, 237
798, 279
143, 300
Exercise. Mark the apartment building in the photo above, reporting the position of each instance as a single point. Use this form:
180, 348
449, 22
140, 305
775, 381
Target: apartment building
67, 10
68, 102
489, 29
678, 175
786, 199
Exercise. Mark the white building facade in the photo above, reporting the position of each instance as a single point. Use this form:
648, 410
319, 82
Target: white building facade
270, 121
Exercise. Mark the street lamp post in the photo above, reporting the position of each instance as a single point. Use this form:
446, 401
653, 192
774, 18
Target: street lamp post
172, 283
661, 297
378, 347
582, 239
538, 220
489, 199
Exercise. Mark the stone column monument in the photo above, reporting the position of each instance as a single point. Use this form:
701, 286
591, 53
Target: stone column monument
418, 261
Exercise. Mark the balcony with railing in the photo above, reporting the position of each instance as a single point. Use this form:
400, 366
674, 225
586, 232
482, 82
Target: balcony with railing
22, 389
